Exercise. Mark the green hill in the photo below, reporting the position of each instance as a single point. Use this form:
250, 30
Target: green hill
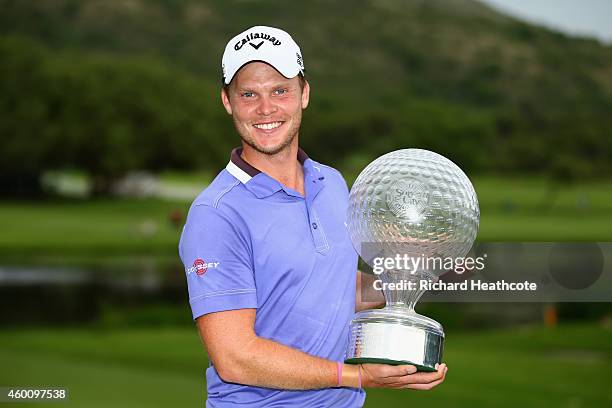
488, 91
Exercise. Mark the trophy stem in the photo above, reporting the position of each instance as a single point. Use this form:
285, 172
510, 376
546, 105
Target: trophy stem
410, 292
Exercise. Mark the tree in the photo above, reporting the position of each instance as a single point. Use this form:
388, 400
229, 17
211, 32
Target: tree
104, 115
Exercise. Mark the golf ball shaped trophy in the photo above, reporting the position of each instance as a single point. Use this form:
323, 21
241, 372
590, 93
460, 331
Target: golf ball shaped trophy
418, 204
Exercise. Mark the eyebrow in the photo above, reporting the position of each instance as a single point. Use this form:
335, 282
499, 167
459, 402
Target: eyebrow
249, 88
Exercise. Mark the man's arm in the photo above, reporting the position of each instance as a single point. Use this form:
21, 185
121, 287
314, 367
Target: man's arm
366, 296
240, 356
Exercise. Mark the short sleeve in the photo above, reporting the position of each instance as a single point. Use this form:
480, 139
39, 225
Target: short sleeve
218, 262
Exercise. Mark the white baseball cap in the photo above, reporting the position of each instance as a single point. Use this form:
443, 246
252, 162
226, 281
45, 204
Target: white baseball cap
266, 44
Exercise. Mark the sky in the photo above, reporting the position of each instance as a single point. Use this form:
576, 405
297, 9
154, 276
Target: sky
585, 18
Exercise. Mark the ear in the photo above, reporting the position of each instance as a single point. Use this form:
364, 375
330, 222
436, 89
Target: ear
226, 102
305, 94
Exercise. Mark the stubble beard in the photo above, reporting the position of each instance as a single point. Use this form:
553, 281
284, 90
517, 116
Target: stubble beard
271, 151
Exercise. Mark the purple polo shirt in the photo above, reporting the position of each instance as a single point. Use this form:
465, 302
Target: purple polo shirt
250, 242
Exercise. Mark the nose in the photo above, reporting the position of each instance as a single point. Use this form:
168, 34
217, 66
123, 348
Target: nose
266, 106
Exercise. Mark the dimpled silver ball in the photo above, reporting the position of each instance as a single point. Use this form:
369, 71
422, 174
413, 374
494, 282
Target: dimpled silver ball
416, 199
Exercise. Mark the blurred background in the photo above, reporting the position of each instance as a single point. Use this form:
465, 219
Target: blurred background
110, 124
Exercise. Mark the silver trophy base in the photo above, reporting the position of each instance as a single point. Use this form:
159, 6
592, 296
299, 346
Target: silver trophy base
395, 335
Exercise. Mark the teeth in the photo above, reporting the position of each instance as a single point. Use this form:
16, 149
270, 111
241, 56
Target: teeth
268, 126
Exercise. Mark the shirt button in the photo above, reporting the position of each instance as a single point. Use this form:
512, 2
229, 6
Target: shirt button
314, 225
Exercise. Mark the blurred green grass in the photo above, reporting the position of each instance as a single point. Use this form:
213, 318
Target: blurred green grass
535, 209
512, 209
186, 178
100, 227
566, 366
125, 368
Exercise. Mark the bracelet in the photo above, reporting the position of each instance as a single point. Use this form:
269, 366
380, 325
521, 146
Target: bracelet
359, 368
340, 364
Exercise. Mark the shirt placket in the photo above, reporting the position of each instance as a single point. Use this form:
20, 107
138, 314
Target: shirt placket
318, 231
316, 226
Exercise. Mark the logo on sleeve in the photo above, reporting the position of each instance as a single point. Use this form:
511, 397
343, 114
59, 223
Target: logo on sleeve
200, 267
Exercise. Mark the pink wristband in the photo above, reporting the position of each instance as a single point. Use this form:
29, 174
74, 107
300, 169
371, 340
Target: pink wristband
339, 373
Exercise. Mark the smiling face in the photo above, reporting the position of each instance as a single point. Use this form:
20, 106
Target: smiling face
266, 107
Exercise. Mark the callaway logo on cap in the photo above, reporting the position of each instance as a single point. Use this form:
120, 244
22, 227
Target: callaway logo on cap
266, 44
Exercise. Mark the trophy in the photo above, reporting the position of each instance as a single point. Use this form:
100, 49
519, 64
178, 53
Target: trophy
411, 203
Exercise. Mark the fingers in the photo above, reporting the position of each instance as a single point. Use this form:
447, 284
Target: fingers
403, 376
420, 382
422, 378
383, 375
423, 387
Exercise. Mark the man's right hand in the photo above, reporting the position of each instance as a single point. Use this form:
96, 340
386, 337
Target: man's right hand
402, 376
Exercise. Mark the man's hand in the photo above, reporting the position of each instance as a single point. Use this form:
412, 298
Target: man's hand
402, 376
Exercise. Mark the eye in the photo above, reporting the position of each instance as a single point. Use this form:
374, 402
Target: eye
247, 94
281, 91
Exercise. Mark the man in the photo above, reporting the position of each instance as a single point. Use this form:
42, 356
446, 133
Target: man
270, 268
